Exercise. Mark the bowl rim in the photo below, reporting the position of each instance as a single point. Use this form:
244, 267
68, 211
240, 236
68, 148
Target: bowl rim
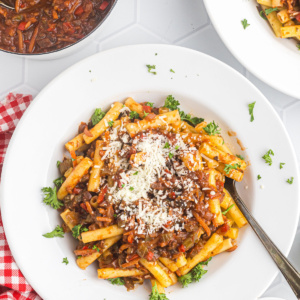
68, 46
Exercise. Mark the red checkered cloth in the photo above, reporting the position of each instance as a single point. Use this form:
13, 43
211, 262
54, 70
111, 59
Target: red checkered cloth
13, 284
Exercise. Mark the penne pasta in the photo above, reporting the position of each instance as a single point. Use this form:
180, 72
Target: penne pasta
107, 273
101, 234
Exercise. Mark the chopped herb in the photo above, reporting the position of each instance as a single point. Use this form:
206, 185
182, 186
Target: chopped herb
155, 295
79, 256
97, 116
212, 128
263, 15
145, 114
123, 185
227, 210
167, 145
171, 155
90, 71
187, 117
290, 181
198, 272
65, 261
115, 215
76, 230
133, 115
298, 46
150, 104
229, 167
96, 248
110, 123
251, 107
240, 157
150, 68
281, 165
57, 232
245, 23
58, 163
50, 197
171, 70
116, 281
58, 182
155, 53
131, 188
186, 279
136, 173
72, 159
268, 158
171, 103
271, 9
176, 147
258, 177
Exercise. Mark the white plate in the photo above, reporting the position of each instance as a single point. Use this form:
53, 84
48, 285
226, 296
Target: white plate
205, 86
273, 60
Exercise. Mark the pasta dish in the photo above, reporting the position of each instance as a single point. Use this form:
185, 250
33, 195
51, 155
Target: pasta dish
283, 16
143, 193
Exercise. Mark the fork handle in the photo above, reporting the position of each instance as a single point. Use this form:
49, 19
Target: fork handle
289, 272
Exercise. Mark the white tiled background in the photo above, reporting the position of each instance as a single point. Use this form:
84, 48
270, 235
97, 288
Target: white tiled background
179, 22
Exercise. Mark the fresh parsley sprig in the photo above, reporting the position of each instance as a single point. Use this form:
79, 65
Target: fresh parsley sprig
133, 115
65, 261
229, 167
116, 281
155, 295
77, 229
290, 181
97, 116
270, 10
240, 157
212, 128
50, 197
58, 182
227, 210
268, 158
151, 68
171, 103
57, 232
245, 23
281, 165
258, 177
251, 108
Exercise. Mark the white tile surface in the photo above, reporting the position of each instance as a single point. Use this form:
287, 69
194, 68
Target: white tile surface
178, 22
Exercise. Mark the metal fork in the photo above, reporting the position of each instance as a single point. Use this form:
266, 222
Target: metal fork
289, 272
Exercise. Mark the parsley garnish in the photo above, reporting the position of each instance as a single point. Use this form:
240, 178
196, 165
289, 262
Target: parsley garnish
76, 230
65, 261
171, 70
131, 188
290, 181
96, 248
123, 184
115, 215
150, 68
240, 157
194, 275
171, 155
171, 103
258, 177
227, 210
50, 197
298, 46
262, 14
58, 182
97, 116
281, 165
167, 145
145, 114
136, 173
245, 23
268, 158
155, 295
212, 128
176, 147
133, 115
58, 163
110, 123
57, 232
117, 281
228, 168
251, 107
271, 9
187, 117
150, 104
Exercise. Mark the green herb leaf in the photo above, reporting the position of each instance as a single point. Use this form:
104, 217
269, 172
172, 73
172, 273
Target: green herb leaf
198, 272
228, 168
96, 248
110, 123
188, 118
227, 210
150, 104
135, 173
145, 114
65, 261
123, 184
171, 70
263, 15
171, 155
298, 46
245, 23
212, 128
271, 9
133, 115
97, 116
205, 263
58, 182
186, 279
251, 107
176, 147
115, 215
240, 157
131, 188
258, 177
167, 145
268, 158
290, 181
150, 68
171, 103
155, 295
57, 232
77, 229
281, 165
116, 281
58, 163
50, 197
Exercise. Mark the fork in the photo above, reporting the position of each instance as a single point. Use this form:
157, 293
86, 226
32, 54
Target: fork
289, 272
